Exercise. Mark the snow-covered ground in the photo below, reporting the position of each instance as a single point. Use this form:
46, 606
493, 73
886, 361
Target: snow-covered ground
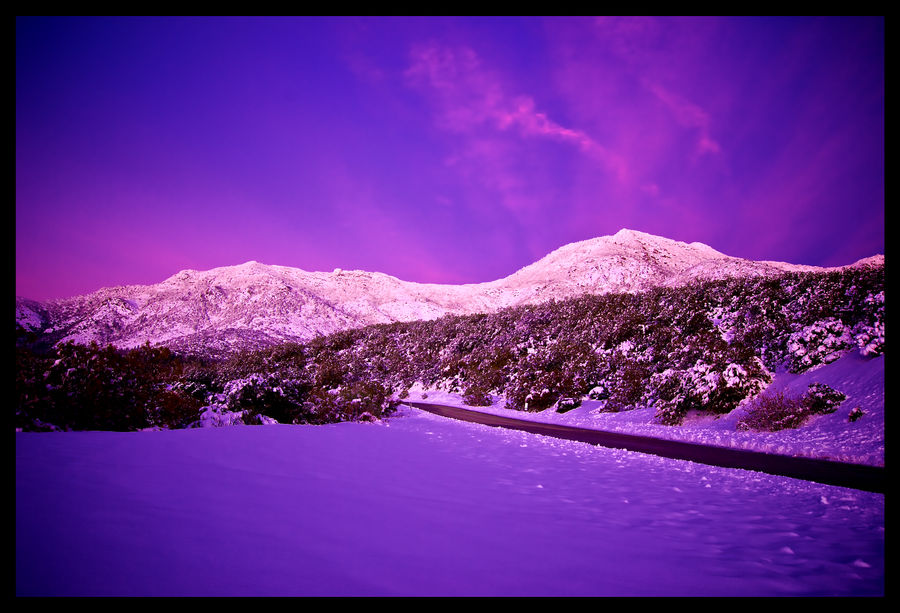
421, 505
830, 436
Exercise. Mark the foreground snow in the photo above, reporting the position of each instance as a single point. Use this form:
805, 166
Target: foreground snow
420, 505
830, 437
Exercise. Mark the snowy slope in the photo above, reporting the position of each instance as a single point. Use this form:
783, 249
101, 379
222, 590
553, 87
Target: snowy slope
31, 315
254, 304
421, 506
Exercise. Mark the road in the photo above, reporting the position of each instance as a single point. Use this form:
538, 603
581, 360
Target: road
857, 476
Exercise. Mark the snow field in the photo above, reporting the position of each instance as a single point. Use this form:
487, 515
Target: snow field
420, 505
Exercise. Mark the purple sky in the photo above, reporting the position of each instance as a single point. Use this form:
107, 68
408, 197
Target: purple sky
437, 150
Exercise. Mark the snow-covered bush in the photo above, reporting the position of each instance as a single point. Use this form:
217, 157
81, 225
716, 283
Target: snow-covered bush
870, 339
627, 384
364, 400
598, 392
724, 321
522, 396
477, 396
261, 397
567, 404
869, 333
820, 343
821, 398
540, 378
218, 415
706, 388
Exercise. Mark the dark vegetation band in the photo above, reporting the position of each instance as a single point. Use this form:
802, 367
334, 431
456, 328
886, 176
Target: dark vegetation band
706, 346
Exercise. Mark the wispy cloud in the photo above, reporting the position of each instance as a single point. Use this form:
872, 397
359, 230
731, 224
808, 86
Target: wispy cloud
688, 115
469, 98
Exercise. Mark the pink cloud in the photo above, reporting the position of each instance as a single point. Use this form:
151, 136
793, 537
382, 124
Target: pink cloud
688, 115
470, 97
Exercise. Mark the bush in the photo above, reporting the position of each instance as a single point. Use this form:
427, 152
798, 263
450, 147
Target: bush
773, 411
269, 395
361, 401
705, 388
821, 399
477, 396
526, 398
822, 342
628, 385
94, 388
779, 411
567, 404
870, 339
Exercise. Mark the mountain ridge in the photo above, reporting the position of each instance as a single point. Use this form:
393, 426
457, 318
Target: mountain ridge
251, 305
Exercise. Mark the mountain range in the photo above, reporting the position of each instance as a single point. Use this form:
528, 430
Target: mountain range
252, 305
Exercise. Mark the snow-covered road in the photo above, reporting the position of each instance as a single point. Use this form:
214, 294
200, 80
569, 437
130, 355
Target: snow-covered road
844, 474
421, 505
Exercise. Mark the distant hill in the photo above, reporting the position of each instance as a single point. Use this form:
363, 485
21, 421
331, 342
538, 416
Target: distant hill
254, 305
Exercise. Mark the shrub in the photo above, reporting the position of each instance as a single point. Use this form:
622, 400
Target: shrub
361, 400
627, 384
173, 409
267, 395
870, 331
477, 396
870, 339
598, 392
706, 388
567, 404
819, 343
773, 411
217, 415
821, 399
94, 388
534, 392
778, 410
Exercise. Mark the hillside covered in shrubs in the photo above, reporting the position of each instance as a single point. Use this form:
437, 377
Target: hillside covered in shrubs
706, 346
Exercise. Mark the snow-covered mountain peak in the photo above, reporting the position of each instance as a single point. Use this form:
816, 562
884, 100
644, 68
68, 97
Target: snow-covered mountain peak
628, 260
627, 241
642, 240
874, 260
625, 234
254, 304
